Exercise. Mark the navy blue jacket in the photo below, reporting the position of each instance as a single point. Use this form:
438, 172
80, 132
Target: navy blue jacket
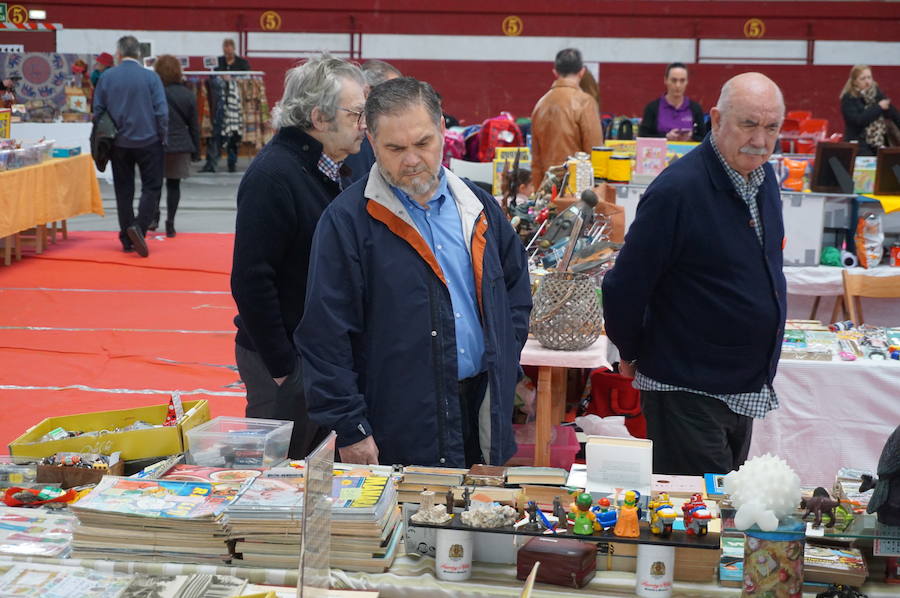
693, 296
279, 201
136, 101
377, 340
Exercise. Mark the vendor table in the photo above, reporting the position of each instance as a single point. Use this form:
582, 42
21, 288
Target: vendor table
805, 283
64, 135
413, 577
54, 190
833, 414
551, 386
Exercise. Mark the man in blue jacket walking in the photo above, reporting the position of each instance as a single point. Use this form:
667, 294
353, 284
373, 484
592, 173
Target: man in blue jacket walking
417, 302
696, 300
136, 102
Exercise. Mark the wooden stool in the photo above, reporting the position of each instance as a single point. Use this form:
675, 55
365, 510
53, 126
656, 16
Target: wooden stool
36, 236
63, 229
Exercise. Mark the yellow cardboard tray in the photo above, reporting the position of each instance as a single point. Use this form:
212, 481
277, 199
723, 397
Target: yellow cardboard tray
133, 444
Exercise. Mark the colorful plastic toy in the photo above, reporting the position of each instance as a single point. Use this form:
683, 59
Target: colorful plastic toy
662, 515
605, 514
627, 520
696, 516
584, 523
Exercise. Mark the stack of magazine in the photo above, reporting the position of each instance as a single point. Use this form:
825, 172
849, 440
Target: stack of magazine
35, 532
127, 519
365, 523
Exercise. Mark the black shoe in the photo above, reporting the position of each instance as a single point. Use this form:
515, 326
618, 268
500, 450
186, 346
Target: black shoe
170, 229
154, 224
127, 247
231, 168
137, 239
207, 168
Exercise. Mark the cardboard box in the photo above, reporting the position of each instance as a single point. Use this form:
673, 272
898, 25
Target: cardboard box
65, 152
133, 444
804, 226
71, 477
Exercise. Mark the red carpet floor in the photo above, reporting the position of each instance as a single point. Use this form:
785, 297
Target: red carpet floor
86, 327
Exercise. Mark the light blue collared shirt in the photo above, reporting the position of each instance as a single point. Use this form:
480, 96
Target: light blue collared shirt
441, 227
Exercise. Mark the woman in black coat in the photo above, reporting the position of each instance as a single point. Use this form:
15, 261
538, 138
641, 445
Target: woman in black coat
674, 115
183, 138
869, 116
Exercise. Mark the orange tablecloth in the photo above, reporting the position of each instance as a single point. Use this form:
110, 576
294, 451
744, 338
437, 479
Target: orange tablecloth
58, 189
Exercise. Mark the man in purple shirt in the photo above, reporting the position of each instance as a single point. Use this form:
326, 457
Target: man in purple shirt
674, 115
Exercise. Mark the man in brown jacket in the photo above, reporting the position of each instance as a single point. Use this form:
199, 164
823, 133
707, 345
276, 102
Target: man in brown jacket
566, 120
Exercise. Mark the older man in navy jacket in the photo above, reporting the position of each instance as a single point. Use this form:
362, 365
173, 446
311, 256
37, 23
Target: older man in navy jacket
417, 303
696, 301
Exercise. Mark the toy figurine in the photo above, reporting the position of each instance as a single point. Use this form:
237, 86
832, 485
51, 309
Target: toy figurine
627, 520
696, 516
820, 503
662, 515
451, 502
533, 525
562, 521
467, 498
584, 523
606, 516
886, 499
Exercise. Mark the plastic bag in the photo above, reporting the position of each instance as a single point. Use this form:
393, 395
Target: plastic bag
869, 240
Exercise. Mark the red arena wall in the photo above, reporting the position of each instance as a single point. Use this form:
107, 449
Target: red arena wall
484, 57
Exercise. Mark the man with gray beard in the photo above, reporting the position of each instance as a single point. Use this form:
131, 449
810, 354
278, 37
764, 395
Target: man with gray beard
417, 302
696, 300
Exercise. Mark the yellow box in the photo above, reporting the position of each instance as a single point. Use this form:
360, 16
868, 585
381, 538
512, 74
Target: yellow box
509, 153
133, 444
5, 116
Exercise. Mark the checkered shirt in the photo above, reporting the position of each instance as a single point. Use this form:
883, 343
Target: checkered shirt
752, 404
330, 168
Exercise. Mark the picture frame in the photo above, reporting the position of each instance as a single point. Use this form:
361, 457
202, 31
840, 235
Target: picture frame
833, 169
210, 62
887, 172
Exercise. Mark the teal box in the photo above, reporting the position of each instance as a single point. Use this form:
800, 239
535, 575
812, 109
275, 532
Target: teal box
65, 152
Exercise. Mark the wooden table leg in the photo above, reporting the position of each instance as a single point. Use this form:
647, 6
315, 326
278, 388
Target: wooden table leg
550, 410
543, 411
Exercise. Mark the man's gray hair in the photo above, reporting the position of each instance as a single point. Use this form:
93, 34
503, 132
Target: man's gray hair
317, 83
397, 95
128, 47
379, 71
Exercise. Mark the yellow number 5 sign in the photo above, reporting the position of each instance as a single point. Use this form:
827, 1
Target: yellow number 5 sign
270, 21
754, 28
18, 14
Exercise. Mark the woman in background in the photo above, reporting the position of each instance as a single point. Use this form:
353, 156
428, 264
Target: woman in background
674, 115
869, 117
183, 139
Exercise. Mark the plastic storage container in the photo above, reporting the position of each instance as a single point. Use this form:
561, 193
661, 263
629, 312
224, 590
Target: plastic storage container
563, 448
239, 442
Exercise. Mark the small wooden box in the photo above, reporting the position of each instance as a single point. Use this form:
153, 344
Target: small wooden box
564, 562
71, 477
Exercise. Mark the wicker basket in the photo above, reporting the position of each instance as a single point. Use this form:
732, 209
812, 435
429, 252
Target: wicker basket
567, 314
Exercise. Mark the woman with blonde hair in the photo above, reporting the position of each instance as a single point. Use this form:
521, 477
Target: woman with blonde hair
183, 139
869, 117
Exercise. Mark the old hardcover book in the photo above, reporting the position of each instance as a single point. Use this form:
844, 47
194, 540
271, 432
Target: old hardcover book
486, 475
834, 564
553, 476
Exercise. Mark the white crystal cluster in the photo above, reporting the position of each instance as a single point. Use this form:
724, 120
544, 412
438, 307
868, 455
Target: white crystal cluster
494, 516
764, 490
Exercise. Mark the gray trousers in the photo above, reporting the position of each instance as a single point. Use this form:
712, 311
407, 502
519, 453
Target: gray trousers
267, 400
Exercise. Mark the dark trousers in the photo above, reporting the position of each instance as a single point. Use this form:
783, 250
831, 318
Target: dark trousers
267, 400
693, 434
471, 395
214, 149
149, 160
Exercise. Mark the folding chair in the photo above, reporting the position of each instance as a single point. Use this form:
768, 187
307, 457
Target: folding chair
860, 285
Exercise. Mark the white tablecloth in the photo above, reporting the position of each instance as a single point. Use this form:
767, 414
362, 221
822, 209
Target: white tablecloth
64, 134
594, 356
832, 415
806, 282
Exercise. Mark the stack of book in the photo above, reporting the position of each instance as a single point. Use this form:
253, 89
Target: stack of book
125, 519
552, 476
265, 523
437, 479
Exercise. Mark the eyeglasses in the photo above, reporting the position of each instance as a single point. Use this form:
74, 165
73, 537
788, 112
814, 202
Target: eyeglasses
360, 115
